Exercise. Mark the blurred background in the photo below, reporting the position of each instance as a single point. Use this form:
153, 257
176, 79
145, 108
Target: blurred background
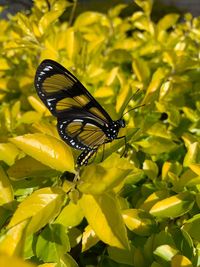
161, 7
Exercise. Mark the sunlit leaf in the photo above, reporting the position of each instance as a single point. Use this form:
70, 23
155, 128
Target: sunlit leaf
6, 261
40, 208
71, 215
173, 206
8, 153
109, 227
89, 238
48, 150
12, 243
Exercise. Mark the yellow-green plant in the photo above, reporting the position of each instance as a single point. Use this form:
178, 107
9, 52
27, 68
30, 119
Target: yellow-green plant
140, 210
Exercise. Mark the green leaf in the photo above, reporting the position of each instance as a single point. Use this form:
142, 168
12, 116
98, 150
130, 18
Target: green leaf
124, 256
52, 243
191, 226
173, 206
40, 208
46, 149
109, 227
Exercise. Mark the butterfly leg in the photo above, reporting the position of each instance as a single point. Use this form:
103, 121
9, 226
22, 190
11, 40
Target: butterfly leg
85, 156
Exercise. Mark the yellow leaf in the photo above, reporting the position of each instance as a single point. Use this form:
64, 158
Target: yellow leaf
46, 149
6, 261
89, 238
71, 42
71, 215
38, 106
13, 241
41, 207
195, 168
48, 265
4, 64
6, 192
108, 226
173, 206
8, 153
180, 261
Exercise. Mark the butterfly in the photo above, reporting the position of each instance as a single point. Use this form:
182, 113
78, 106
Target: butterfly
81, 121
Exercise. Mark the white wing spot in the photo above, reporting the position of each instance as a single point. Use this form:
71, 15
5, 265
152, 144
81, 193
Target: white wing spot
78, 120
47, 68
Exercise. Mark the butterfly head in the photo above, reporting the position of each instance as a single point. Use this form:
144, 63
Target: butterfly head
112, 129
121, 123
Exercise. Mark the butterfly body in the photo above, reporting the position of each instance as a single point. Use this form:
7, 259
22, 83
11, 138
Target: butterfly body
81, 121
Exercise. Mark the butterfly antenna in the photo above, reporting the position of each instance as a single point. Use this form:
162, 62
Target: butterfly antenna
132, 109
131, 98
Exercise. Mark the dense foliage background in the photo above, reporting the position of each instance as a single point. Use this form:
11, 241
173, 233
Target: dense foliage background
139, 210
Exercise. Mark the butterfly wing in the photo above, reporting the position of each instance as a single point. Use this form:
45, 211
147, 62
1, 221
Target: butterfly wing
81, 119
62, 93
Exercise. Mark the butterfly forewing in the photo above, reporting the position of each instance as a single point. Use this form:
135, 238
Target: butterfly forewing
61, 92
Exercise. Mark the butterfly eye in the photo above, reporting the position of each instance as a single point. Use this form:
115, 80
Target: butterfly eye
122, 123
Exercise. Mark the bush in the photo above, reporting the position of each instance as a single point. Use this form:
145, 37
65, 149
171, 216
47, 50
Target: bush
138, 210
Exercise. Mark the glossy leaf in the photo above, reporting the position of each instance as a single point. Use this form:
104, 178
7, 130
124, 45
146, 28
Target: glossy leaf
40, 207
108, 227
48, 150
173, 206
12, 243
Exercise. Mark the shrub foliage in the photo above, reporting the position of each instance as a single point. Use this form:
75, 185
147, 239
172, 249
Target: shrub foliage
138, 210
